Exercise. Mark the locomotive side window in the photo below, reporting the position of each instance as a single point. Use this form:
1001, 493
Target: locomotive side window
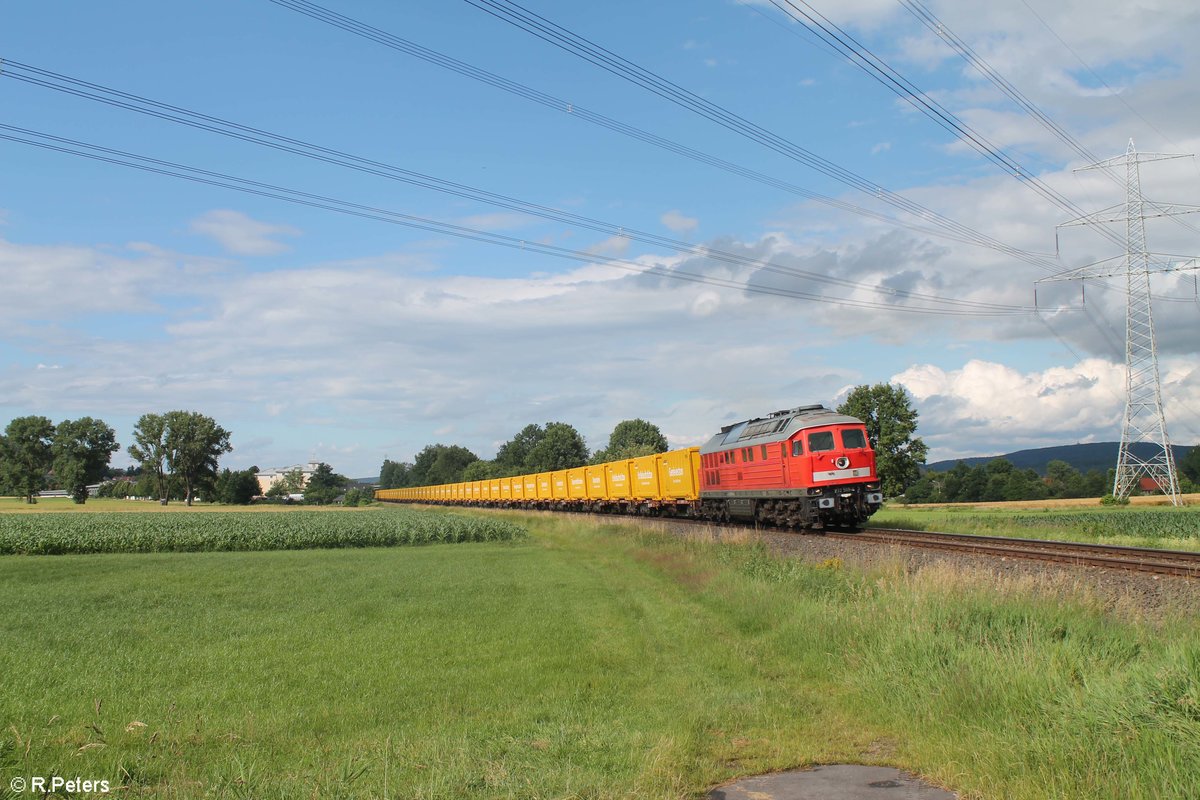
764, 453
820, 441
852, 438
797, 448
783, 449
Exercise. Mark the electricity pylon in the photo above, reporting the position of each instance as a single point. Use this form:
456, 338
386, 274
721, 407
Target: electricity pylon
1144, 420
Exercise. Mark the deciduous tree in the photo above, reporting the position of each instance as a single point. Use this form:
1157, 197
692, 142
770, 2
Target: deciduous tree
194, 446
560, 448
324, 485
82, 449
630, 439
237, 487
149, 449
512, 456
25, 455
891, 422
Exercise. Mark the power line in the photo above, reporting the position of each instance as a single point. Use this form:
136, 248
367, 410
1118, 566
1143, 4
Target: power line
558, 36
206, 122
382, 37
873, 65
843, 43
211, 178
939, 28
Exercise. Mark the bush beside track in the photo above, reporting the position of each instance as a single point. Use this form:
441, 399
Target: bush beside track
59, 534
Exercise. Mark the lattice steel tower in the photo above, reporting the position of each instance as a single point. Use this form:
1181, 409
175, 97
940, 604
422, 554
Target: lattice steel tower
1144, 420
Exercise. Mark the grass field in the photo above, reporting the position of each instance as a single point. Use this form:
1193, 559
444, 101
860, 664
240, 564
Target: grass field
1141, 525
584, 662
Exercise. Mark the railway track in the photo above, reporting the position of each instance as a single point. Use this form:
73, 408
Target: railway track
1137, 559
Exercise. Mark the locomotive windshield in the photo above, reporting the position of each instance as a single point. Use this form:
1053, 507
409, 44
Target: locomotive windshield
820, 441
853, 439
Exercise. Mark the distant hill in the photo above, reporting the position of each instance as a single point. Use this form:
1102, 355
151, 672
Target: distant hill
1083, 457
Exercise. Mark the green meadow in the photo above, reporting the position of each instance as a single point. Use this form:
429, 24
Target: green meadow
580, 661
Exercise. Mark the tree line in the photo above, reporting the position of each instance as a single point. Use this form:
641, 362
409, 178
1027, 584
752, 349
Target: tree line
535, 448
1000, 480
177, 454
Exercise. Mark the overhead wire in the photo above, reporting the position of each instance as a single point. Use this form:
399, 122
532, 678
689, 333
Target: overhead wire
180, 115
580, 46
386, 39
878, 69
173, 169
939, 28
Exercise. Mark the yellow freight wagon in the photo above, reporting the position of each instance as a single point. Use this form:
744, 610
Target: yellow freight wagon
531, 491
545, 486
559, 481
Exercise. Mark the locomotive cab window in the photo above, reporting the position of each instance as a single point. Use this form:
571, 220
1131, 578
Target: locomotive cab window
820, 442
797, 448
853, 439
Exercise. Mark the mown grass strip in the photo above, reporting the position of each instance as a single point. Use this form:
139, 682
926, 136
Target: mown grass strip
59, 534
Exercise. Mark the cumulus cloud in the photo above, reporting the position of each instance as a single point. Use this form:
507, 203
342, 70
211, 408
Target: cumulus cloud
678, 222
989, 407
242, 235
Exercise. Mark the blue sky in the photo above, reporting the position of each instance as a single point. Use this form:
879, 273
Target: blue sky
310, 333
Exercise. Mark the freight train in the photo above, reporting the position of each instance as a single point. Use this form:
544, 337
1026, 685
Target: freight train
806, 468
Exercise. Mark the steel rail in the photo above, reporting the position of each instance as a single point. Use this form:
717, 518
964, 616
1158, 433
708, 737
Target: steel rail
1138, 559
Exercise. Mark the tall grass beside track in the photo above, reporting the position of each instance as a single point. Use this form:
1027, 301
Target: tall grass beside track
586, 661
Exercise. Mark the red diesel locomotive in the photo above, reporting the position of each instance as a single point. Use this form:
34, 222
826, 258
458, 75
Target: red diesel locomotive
805, 467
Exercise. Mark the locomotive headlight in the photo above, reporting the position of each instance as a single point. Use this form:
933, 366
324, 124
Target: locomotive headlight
842, 462
825, 502
875, 498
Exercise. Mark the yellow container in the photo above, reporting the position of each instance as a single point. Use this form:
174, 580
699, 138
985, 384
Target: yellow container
518, 488
494, 488
558, 481
506, 488
545, 485
577, 483
617, 475
680, 474
476, 490
530, 491
644, 474
597, 483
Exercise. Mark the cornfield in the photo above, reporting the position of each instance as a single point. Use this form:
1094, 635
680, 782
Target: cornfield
57, 534
1150, 523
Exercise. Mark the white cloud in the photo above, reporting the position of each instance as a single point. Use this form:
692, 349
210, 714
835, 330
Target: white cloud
881, 147
992, 408
676, 221
240, 234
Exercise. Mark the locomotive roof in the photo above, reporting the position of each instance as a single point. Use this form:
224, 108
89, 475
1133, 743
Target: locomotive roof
775, 427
